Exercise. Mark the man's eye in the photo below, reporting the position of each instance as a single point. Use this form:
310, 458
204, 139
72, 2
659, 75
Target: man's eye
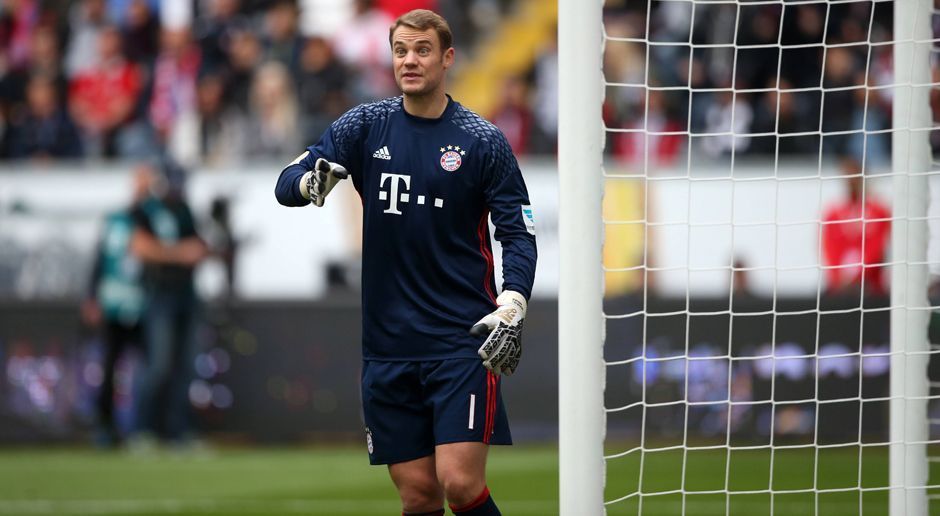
424, 51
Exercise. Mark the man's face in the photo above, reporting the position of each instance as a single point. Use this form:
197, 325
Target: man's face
419, 61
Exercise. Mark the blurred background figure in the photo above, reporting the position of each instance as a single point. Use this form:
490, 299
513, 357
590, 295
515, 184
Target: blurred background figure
222, 242
115, 300
661, 145
42, 129
363, 45
727, 120
514, 116
545, 98
282, 42
141, 31
273, 124
213, 31
783, 113
245, 56
45, 58
86, 20
219, 122
840, 73
323, 86
173, 104
104, 94
166, 241
854, 236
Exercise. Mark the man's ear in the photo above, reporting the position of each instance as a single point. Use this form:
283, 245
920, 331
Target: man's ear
449, 57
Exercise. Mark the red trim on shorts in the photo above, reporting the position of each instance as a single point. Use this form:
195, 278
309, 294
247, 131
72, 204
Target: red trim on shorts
496, 379
490, 418
487, 253
478, 501
486, 411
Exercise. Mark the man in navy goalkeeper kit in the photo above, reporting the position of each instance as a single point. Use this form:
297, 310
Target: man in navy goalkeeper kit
436, 337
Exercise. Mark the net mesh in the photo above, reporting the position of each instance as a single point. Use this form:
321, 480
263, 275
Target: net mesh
748, 213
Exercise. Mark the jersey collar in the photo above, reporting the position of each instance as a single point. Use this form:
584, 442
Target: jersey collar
451, 106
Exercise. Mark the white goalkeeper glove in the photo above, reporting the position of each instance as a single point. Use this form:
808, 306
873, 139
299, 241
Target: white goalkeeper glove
317, 183
502, 348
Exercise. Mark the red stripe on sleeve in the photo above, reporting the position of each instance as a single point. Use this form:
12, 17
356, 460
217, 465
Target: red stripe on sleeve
487, 255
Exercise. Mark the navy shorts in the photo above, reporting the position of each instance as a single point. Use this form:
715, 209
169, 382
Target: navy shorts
410, 407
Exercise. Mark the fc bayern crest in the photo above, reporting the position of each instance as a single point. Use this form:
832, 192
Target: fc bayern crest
451, 158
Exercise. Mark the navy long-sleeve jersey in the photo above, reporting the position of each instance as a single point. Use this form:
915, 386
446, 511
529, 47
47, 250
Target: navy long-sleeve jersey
427, 188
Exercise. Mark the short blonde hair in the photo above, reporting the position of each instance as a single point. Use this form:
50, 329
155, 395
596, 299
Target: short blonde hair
423, 19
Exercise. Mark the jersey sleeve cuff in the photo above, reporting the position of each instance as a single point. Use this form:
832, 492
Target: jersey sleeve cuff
526, 292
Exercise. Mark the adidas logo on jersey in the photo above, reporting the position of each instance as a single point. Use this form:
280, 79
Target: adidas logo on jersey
382, 153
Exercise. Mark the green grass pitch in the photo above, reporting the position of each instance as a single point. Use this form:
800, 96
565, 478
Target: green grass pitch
338, 481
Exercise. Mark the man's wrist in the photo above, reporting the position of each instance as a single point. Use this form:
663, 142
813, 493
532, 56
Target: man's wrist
303, 185
512, 297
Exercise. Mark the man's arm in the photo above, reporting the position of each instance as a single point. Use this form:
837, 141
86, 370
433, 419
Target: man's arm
313, 185
311, 176
508, 201
289, 190
187, 252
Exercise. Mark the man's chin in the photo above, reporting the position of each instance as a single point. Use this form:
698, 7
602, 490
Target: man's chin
414, 91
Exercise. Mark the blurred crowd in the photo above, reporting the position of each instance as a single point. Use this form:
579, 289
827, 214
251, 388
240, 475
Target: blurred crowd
216, 82
230, 79
210, 81
828, 81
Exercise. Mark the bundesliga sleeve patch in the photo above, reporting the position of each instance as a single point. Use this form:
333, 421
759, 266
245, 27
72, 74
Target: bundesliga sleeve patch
529, 218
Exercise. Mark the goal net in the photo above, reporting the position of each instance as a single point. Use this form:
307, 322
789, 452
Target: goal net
750, 333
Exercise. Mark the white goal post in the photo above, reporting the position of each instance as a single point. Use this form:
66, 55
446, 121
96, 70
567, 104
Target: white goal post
911, 162
580, 288
891, 469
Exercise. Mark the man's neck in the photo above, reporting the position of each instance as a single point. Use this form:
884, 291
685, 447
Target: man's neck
426, 106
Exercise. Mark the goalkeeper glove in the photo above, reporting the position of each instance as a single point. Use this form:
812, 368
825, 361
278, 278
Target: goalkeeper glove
316, 184
502, 348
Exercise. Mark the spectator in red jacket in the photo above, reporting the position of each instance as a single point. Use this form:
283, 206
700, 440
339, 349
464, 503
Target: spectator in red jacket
102, 99
854, 238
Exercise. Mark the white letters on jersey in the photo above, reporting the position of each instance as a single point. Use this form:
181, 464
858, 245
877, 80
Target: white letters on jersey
393, 201
394, 197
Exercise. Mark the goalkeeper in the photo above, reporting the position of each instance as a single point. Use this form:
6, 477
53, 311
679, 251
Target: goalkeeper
435, 336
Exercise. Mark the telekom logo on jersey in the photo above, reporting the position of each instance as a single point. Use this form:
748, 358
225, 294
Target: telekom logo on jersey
396, 194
